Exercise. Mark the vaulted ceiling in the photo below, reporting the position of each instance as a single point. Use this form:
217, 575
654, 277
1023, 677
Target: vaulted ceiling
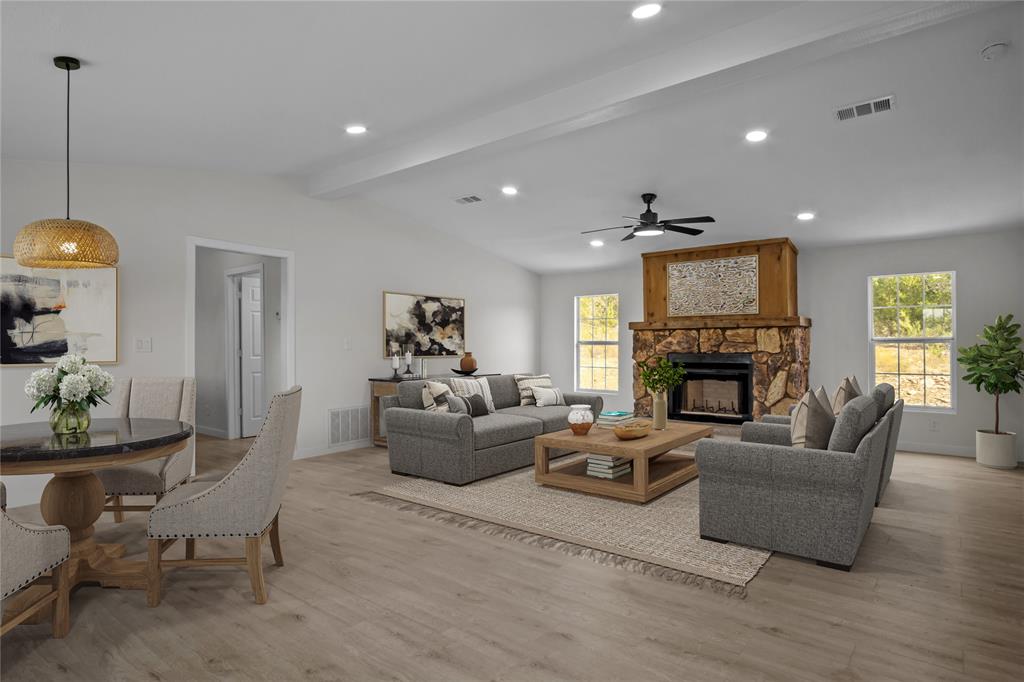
577, 104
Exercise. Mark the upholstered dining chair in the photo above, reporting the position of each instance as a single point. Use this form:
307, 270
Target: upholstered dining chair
30, 551
155, 398
243, 504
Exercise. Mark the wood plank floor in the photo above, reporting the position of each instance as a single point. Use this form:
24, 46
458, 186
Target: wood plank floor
368, 592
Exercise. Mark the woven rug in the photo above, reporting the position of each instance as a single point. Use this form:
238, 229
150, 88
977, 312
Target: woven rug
659, 538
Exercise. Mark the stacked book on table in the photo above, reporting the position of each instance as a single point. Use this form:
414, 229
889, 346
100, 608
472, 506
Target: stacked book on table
614, 418
606, 466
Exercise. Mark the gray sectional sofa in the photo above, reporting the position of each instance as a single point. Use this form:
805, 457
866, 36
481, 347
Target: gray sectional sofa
813, 503
459, 449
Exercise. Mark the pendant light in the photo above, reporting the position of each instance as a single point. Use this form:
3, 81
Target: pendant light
62, 242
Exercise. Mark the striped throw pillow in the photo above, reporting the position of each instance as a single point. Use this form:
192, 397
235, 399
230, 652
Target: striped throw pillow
432, 396
479, 386
526, 382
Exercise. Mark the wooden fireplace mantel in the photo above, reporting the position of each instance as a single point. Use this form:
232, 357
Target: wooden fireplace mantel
722, 322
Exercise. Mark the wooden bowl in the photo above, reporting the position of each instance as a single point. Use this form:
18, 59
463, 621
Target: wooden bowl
637, 428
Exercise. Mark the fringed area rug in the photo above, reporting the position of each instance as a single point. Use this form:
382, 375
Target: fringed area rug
659, 538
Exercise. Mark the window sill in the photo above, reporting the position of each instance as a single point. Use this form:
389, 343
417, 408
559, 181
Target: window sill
589, 392
923, 409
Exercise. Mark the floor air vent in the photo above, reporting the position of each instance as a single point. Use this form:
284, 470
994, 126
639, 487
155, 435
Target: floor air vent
348, 425
862, 109
468, 199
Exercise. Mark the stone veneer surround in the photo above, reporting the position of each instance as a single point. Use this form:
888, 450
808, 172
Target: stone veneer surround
781, 360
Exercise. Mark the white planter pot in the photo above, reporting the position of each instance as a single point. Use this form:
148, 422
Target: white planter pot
996, 450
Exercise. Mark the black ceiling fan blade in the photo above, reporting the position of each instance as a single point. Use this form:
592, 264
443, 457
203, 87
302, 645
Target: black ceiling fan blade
628, 236
697, 219
693, 231
605, 229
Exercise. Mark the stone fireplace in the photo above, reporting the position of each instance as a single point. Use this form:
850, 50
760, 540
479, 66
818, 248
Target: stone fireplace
740, 365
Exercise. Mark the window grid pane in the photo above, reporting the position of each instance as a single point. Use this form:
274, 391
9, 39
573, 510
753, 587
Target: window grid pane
597, 334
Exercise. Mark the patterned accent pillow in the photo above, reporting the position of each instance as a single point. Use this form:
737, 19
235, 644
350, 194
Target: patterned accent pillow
432, 396
547, 397
526, 383
845, 392
812, 422
467, 387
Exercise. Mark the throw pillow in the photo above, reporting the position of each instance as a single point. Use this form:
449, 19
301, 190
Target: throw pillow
852, 424
547, 397
477, 405
432, 396
467, 387
526, 383
845, 392
457, 405
812, 422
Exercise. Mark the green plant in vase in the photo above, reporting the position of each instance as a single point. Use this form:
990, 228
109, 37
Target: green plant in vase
997, 366
69, 389
659, 378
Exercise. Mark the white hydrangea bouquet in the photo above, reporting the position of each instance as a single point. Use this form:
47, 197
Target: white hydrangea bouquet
69, 389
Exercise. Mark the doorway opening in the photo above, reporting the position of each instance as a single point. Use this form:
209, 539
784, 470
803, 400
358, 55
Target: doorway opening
241, 341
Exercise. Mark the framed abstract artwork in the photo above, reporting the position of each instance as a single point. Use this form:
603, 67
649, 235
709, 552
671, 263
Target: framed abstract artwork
715, 286
47, 313
427, 326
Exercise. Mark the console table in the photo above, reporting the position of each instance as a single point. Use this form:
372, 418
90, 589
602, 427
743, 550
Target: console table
385, 386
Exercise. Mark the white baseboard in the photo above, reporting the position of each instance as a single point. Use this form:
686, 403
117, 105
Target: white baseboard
212, 432
936, 449
306, 453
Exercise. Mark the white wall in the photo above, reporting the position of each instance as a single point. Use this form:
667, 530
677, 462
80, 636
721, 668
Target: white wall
211, 333
347, 253
833, 293
557, 317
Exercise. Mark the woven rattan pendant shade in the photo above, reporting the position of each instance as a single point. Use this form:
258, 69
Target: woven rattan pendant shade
69, 244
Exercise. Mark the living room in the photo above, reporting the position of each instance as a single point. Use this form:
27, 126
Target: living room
401, 157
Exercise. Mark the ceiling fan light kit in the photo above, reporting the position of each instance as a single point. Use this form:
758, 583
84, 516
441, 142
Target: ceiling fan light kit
648, 225
62, 242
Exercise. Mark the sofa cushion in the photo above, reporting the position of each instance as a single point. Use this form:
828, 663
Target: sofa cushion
410, 394
500, 428
854, 421
504, 391
553, 417
884, 396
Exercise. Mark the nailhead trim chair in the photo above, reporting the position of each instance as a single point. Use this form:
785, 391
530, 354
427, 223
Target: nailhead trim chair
245, 503
153, 398
29, 552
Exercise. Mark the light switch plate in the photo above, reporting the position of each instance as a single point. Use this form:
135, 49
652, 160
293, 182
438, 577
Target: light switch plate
143, 344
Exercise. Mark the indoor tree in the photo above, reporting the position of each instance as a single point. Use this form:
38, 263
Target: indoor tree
997, 364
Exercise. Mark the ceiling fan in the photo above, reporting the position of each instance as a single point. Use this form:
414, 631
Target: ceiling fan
648, 225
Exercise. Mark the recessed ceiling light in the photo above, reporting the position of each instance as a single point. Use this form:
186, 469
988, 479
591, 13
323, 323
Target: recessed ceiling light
509, 190
806, 215
646, 11
596, 243
355, 129
649, 231
757, 136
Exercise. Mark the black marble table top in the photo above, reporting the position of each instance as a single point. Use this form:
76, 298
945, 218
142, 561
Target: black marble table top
36, 442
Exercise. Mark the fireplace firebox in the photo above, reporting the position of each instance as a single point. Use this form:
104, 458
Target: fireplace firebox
718, 387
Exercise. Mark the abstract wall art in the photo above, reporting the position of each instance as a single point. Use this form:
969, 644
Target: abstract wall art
427, 326
47, 313
716, 286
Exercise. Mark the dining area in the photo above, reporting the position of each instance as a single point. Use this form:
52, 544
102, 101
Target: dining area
139, 461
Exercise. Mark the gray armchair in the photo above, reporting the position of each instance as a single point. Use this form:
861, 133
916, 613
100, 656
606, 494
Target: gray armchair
29, 552
812, 503
155, 398
245, 503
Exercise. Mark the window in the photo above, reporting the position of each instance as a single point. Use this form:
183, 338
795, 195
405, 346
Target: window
597, 342
912, 335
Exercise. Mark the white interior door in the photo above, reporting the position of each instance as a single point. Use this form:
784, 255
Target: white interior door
250, 334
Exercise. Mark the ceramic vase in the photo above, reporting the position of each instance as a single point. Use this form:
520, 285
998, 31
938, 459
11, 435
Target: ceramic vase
467, 363
659, 409
581, 419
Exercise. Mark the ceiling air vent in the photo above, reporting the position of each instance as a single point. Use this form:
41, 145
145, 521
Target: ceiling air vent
468, 199
862, 109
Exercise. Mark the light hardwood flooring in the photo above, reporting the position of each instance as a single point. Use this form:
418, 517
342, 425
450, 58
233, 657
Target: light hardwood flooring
368, 592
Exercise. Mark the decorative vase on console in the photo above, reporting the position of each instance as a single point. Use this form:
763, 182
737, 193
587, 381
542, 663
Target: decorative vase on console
468, 362
660, 378
69, 389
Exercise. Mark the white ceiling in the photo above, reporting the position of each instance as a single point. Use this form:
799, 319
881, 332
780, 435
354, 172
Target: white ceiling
268, 87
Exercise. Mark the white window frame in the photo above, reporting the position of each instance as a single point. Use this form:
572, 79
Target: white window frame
577, 343
954, 379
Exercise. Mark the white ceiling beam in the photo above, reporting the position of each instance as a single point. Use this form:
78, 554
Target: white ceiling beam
766, 43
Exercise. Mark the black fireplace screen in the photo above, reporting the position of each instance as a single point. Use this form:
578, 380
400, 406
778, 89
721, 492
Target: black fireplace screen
717, 387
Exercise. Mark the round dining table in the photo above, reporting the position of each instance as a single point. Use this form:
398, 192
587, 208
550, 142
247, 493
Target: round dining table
75, 497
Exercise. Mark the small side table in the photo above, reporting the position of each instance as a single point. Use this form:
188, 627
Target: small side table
385, 386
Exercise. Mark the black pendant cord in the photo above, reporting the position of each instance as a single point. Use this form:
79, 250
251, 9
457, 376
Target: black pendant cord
67, 151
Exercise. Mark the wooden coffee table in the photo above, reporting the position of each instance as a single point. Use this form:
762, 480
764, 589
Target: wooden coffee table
654, 472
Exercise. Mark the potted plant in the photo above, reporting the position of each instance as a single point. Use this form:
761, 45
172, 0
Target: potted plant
660, 378
69, 388
997, 365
